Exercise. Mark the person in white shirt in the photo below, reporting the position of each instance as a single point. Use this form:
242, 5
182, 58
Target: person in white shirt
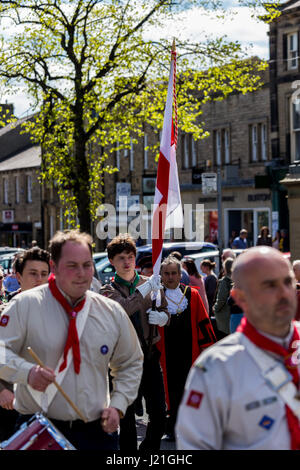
78, 334
241, 394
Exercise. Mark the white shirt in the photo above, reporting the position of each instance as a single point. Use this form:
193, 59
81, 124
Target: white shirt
227, 404
176, 299
35, 318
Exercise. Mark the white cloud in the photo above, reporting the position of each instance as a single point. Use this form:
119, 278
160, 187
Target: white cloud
197, 23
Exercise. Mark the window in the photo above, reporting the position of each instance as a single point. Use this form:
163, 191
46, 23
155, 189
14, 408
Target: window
189, 155
61, 219
254, 143
227, 147
118, 156
258, 141
5, 190
29, 188
295, 130
146, 151
131, 156
222, 146
194, 155
186, 153
17, 190
51, 225
264, 142
292, 51
218, 148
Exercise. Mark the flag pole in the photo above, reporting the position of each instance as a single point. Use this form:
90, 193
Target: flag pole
165, 182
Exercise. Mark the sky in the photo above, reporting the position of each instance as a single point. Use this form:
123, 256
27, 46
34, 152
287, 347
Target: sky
241, 27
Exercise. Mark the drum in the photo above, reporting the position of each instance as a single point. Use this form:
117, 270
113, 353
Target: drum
37, 434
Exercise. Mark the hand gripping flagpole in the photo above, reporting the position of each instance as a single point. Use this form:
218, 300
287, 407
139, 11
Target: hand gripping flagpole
165, 182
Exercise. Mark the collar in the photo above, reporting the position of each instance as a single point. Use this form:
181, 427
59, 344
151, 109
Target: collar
69, 299
131, 285
284, 342
177, 301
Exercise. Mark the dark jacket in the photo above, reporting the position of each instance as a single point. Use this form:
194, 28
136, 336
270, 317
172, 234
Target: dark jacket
264, 241
221, 308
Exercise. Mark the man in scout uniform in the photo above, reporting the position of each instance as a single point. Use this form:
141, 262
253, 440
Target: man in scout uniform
243, 393
189, 332
78, 335
32, 269
133, 292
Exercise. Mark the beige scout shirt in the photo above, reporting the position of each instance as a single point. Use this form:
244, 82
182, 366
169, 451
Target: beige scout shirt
135, 302
34, 318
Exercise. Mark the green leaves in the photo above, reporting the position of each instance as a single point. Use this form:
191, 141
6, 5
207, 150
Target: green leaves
97, 80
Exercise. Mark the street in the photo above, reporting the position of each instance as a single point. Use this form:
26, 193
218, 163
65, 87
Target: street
141, 423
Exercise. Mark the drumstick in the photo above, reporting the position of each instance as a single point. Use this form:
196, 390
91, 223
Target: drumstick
39, 362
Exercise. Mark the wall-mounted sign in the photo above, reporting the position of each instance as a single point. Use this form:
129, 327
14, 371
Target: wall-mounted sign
209, 183
7, 216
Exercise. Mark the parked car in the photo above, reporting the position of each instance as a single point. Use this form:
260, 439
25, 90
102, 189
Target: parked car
99, 256
5, 250
212, 256
105, 270
185, 248
199, 257
6, 262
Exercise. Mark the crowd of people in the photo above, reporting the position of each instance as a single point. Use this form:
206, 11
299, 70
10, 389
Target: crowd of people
160, 344
280, 241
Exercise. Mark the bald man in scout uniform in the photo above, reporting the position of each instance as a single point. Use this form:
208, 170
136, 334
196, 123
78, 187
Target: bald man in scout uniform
243, 392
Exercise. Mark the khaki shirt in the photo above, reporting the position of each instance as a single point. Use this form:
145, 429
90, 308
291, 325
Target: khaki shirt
135, 302
35, 318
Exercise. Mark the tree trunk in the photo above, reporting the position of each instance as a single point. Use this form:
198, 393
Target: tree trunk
81, 185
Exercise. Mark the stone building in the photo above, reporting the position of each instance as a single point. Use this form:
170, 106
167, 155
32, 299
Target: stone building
20, 192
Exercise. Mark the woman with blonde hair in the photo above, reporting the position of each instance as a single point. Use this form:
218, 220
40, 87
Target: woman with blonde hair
196, 280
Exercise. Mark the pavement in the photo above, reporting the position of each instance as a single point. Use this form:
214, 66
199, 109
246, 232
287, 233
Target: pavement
141, 425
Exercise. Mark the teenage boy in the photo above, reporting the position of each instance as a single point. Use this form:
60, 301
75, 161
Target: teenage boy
133, 291
32, 268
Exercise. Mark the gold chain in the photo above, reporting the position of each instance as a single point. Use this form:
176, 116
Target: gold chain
178, 303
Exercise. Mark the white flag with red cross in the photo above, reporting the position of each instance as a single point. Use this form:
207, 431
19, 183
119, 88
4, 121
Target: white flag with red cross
167, 209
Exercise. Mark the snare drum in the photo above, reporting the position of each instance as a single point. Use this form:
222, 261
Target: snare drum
37, 434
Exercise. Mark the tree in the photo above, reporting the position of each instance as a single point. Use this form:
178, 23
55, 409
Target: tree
95, 79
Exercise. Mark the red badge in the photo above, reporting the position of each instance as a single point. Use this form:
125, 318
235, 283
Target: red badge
194, 399
4, 320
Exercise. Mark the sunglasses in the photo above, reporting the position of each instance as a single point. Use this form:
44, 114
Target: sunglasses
1, 277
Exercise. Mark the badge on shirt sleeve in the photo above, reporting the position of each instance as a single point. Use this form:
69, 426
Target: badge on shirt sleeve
4, 320
194, 399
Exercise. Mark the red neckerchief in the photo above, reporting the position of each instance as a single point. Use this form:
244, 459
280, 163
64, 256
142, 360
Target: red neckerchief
265, 343
72, 339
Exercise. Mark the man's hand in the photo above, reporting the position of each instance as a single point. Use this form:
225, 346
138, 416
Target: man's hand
110, 419
152, 284
157, 318
40, 377
6, 399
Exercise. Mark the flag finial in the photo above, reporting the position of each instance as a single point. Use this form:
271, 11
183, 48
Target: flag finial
173, 46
